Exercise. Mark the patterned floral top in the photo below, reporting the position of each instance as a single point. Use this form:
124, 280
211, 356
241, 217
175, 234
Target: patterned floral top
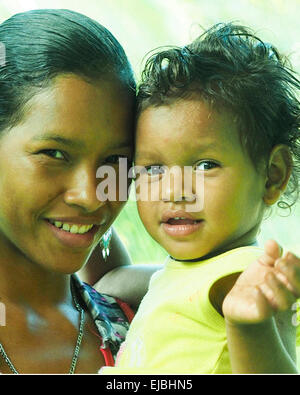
111, 316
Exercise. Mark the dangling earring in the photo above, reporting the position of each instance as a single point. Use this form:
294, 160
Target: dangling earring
105, 242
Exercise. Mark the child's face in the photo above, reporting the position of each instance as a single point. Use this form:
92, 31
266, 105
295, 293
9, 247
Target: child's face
190, 133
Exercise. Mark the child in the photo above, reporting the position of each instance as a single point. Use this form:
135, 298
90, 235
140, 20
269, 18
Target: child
224, 105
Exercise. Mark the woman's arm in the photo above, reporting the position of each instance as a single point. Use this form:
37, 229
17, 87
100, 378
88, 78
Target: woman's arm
128, 283
96, 266
117, 276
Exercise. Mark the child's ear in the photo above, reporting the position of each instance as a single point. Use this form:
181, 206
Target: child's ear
278, 173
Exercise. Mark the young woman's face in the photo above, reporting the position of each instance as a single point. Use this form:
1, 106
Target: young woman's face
48, 165
190, 133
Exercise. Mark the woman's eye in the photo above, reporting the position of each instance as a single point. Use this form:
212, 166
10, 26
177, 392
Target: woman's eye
205, 165
155, 170
115, 159
54, 153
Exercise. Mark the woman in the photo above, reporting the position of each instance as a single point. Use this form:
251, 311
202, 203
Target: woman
66, 107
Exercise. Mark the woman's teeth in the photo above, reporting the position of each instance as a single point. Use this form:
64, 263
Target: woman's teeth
74, 228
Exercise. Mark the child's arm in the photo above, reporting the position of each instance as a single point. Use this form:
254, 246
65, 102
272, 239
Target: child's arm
258, 315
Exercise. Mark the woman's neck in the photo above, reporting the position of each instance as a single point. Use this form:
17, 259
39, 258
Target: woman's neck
25, 282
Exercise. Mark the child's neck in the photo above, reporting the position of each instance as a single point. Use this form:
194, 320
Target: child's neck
212, 254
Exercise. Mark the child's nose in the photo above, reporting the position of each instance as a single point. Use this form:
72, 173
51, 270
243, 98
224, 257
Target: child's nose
176, 186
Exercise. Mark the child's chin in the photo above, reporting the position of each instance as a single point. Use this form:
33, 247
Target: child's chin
183, 250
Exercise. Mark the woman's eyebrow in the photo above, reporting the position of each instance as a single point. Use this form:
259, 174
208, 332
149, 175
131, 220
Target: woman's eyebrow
59, 139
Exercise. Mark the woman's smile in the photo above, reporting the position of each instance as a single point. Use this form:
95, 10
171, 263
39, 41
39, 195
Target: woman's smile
74, 235
76, 232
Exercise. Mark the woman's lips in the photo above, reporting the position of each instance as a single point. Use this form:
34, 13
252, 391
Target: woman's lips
74, 240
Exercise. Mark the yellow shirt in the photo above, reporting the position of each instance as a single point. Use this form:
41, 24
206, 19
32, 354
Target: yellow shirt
176, 329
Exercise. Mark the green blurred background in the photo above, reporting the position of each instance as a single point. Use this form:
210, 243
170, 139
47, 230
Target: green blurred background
142, 25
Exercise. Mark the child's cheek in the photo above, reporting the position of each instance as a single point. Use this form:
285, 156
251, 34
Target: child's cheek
145, 212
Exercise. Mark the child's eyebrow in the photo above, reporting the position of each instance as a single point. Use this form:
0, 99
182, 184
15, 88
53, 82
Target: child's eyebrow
197, 150
213, 146
146, 155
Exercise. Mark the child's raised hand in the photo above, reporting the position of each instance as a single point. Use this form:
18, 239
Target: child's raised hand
268, 285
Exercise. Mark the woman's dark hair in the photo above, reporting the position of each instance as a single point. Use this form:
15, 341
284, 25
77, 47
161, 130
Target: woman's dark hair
229, 67
41, 44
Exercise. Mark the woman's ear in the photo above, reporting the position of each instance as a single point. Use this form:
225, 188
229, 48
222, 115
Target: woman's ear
278, 173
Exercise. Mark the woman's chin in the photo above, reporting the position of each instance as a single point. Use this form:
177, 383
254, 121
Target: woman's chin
64, 265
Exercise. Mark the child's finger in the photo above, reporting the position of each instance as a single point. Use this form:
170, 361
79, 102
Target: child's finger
273, 251
282, 278
289, 256
277, 294
289, 267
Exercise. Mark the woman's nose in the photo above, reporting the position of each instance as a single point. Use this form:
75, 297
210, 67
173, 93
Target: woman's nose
81, 191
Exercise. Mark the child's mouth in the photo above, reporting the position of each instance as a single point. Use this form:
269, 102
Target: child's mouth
182, 225
181, 221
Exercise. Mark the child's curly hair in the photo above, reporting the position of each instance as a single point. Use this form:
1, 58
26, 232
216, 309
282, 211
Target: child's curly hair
230, 67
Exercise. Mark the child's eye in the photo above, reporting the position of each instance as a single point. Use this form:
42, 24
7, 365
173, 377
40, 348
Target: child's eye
54, 153
155, 170
205, 165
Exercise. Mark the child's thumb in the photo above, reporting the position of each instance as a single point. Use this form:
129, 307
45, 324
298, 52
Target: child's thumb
273, 249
